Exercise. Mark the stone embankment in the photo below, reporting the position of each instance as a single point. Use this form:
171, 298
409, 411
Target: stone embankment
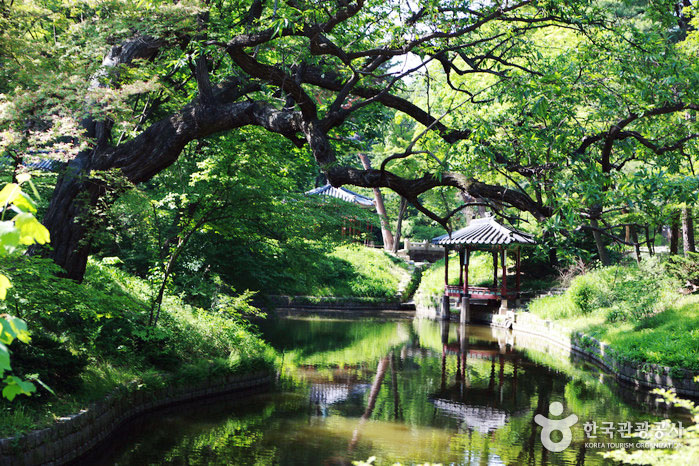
641, 374
73, 436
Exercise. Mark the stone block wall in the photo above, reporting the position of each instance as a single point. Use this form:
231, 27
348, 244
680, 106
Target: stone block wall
74, 435
644, 375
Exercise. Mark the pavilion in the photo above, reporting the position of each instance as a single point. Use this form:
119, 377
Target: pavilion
352, 228
484, 234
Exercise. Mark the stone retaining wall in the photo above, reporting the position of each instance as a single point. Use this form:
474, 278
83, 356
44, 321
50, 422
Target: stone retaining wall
325, 302
75, 435
645, 375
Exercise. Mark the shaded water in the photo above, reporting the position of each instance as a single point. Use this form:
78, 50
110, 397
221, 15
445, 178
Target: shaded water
401, 391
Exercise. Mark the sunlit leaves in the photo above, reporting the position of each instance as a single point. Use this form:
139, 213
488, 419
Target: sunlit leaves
4, 285
31, 231
16, 234
12, 328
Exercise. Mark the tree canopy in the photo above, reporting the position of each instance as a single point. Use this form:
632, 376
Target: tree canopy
573, 115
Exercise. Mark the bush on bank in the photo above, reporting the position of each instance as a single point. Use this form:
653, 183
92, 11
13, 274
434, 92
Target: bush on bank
638, 309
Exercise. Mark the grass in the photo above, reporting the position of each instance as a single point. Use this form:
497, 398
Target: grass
352, 271
637, 310
91, 338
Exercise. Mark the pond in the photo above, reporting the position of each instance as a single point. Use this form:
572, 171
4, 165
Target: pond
402, 391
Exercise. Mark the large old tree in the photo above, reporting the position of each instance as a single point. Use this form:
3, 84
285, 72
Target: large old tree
171, 75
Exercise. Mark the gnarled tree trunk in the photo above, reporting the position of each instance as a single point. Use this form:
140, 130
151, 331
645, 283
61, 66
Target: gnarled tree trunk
70, 219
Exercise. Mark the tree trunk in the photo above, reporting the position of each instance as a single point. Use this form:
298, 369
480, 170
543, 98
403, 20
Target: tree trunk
599, 242
688, 230
70, 219
632, 237
399, 224
552, 253
371, 402
380, 209
675, 234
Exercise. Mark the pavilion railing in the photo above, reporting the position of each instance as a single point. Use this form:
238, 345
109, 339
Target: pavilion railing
479, 291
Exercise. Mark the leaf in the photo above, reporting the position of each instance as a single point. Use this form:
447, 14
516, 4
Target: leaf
7, 333
11, 194
31, 231
19, 327
16, 386
4, 285
23, 177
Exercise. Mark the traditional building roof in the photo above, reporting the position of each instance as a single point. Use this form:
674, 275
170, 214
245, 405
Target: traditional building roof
44, 164
485, 231
344, 194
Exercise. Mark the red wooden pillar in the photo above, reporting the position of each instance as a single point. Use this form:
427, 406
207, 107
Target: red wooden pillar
466, 261
504, 272
461, 267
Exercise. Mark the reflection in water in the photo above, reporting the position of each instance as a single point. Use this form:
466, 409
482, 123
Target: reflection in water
401, 391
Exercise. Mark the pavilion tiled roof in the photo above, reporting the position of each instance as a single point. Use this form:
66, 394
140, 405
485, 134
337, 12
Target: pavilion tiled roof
344, 194
485, 231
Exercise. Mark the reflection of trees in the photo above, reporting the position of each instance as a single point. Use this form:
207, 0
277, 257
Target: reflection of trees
381, 399
371, 402
510, 379
335, 343
394, 387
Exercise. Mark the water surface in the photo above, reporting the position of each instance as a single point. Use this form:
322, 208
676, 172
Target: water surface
403, 391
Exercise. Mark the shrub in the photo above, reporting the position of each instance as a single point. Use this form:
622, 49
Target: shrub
685, 270
582, 294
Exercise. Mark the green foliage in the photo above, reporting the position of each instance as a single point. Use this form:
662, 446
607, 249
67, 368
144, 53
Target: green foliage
684, 270
374, 273
92, 337
235, 200
636, 309
15, 235
582, 294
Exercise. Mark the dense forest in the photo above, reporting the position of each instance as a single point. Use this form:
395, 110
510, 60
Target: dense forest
165, 147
